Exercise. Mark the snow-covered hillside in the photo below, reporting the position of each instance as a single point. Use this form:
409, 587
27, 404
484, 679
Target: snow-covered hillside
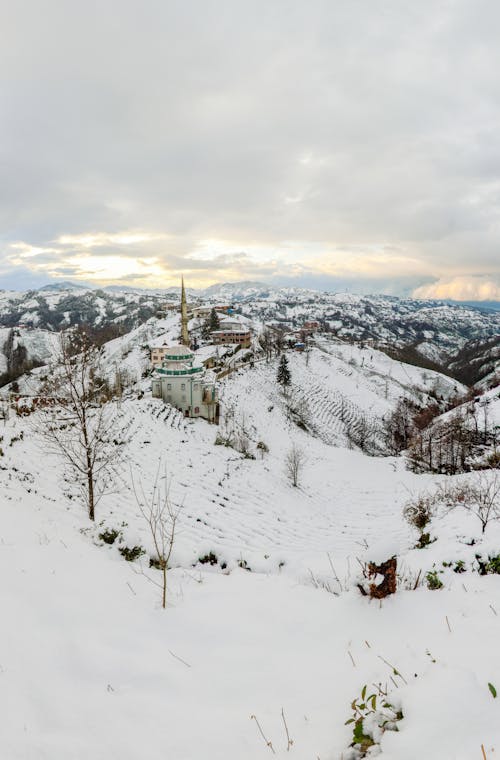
276, 627
461, 340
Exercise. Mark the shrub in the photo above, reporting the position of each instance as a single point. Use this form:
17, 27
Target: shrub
109, 535
424, 540
433, 580
262, 447
457, 567
372, 715
419, 511
131, 553
494, 564
221, 440
208, 559
494, 460
489, 567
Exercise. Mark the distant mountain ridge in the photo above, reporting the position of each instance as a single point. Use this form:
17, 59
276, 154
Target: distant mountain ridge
454, 338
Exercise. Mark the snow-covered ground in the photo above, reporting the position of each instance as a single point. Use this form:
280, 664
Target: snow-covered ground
92, 667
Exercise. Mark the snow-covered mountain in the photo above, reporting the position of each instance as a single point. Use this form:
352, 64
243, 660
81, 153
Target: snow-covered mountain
460, 340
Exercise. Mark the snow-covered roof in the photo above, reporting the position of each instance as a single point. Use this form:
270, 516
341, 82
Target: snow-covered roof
161, 341
230, 321
179, 352
176, 352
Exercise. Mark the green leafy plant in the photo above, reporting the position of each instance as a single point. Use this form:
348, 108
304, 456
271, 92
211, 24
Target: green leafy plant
372, 714
491, 566
457, 567
131, 553
361, 709
208, 559
109, 535
424, 540
434, 582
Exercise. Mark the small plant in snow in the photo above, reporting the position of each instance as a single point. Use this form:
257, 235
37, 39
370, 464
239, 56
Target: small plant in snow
262, 448
418, 512
131, 553
109, 535
208, 559
457, 567
424, 540
371, 716
489, 567
434, 582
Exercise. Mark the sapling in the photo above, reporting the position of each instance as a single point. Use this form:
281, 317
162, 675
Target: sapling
294, 463
162, 517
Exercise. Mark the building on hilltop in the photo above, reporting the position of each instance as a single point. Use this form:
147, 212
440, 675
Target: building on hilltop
187, 386
232, 331
311, 327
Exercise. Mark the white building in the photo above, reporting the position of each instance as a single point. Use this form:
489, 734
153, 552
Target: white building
185, 385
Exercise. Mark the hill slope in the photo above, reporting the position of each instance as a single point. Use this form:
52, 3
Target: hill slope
91, 667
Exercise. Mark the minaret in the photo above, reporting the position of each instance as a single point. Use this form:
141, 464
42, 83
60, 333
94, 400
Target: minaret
184, 317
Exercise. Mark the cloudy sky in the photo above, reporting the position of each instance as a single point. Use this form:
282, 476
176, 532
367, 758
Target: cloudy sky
329, 143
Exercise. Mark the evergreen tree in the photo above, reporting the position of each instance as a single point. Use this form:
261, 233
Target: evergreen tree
214, 321
284, 376
210, 324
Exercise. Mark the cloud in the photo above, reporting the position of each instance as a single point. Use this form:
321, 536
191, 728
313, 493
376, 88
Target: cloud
322, 137
96, 240
462, 289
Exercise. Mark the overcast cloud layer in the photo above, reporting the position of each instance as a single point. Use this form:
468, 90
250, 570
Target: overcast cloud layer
342, 143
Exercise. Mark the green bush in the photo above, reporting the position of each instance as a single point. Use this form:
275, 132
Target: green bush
208, 559
109, 535
424, 540
131, 553
433, 580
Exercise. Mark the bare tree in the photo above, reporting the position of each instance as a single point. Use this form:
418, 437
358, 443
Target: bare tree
75, 420
294, 463
266, 342
162, 517
480, 497
398, 426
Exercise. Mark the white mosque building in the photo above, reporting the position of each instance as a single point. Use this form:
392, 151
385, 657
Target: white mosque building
187, 386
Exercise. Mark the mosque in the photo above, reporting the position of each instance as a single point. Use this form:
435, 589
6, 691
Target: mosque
182, 382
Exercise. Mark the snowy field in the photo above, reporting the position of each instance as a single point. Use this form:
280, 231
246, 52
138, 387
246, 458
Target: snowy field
92, 667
